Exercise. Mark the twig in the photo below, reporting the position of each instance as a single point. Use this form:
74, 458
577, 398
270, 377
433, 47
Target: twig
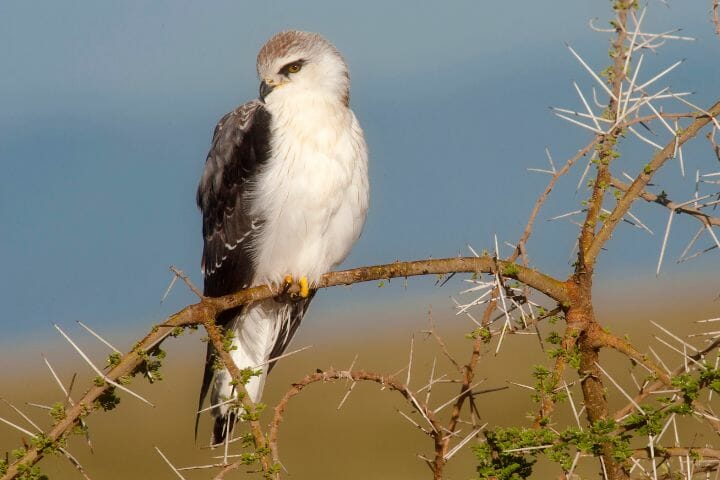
704, 218
635, 189
355, 376
186, 279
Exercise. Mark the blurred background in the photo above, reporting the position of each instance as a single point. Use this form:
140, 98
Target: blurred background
106, 113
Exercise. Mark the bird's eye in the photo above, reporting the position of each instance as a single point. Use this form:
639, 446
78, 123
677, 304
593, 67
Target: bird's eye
294, 68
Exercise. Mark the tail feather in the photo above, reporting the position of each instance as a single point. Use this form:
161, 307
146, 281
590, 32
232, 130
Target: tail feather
208, 375
224, 320
262, 331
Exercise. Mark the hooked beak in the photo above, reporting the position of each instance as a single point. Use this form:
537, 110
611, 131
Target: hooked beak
265, 89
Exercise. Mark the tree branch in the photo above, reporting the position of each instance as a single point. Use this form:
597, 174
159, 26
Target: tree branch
606, 339
208, 308
702, 217
643, 178
360, 375
521, 246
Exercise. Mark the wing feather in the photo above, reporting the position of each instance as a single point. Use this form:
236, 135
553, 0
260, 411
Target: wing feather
240, 146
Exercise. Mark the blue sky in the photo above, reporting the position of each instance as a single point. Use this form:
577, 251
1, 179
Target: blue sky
106, 112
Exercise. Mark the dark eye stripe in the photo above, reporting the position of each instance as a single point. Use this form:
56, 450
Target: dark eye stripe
285, 70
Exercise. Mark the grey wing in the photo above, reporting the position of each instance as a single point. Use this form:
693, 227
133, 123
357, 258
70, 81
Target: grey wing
239, 148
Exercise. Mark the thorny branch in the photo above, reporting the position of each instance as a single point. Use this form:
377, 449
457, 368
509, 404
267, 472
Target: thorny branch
644, 177
521, 245
436, 429
663, 200
208, 308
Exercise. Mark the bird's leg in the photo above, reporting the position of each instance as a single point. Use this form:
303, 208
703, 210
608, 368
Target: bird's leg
304, 287
288, 281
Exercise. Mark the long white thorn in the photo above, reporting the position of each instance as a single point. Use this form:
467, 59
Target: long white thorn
591, 71
170, 464
640, 223
579, 124
97, 370
617, 385
94, 334
669, 333
685, 356
57, 379
586, 171
651, 444
638, 22
712, 234
692, 105
659, 75
645, 139
460, 445
587, 107
284, 355
17, 427
170, 287
432, 375
574, 409
659, 360
664, 242
20, 412
410, 361
662, 120
456, 397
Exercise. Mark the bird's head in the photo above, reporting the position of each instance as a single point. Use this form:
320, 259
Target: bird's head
296, 63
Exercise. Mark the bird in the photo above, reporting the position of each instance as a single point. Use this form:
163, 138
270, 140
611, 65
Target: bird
284, 195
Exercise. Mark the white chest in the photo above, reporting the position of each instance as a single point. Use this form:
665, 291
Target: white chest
313, 193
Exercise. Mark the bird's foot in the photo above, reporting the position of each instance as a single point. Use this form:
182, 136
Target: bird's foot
304, 287
288, 282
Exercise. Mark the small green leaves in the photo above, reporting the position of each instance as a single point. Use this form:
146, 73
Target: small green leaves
648, 423
690, 386
482, 333
150, 367
247, 373
107, 400
509, 453
113, 360
554, 338
510, 270
177, 331
57, 412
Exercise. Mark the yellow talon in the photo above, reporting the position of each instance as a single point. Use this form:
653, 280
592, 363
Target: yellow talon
304, 287
288, 279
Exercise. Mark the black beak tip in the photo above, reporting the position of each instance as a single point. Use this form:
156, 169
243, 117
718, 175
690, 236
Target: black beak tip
265, 89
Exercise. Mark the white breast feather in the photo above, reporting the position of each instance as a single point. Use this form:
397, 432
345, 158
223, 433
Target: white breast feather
313, 193
312, 196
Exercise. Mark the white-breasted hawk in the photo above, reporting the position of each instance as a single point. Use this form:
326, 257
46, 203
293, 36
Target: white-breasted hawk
283, 195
